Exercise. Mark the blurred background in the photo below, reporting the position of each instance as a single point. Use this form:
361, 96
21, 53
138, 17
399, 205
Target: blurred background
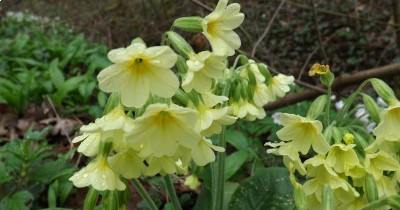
52, 50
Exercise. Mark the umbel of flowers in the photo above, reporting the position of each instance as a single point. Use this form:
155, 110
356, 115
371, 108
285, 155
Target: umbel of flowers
344, 165
167, 101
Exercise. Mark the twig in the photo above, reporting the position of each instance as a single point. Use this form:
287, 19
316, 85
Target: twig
339, 84
201, 4
338, 14
266, 30
321, 46
53, 108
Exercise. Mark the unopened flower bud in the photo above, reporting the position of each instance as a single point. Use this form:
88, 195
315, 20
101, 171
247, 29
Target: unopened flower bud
181, 65
348, 138
383, 90
192, 182
372, 107
189, 24
317, 107
371, 190
179, 44
265, 72
91, 199
328, 202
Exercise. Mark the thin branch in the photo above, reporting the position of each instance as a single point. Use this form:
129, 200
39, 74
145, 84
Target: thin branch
321, 45
201, 4
339, 84
338, 14
266, 30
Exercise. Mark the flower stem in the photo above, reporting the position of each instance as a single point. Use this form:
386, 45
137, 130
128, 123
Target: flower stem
172, 193
218, 181
328, 107
144, 194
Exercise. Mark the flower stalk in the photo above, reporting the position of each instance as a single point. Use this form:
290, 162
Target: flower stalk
144, 194
169, 186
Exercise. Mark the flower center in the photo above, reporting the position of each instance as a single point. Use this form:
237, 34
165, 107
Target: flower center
212, 27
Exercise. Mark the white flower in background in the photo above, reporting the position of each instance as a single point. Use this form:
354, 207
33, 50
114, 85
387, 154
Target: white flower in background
99, 175
218, 27
381, 102
339, 105
279, 85
139, 71
276, 117
202, 69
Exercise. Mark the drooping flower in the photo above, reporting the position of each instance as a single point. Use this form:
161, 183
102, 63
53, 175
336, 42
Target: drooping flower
210, 117
302, 133
290, 155
388, 128
203, 152
321, 175
127, 163
138, 71
343, 159
162, 129
279, 85
247, 110
203, 68
377, 163
99, 175
218, 27
111, 126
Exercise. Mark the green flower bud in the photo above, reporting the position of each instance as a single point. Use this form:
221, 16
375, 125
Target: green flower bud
112, 102
91, 199
181, 97
300, 198
179, 44
328, 202
327, 79
383, 90
328, 134
360, 141
138, 40
265, 72
317, 107
348, 138
372, 107
243, 60
337, 134
189, 24
105, 148
181, 65
371, 190
252, 78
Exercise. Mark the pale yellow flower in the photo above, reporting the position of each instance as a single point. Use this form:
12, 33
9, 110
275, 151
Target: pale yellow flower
203, 68
203, 152
112, 126
321, 175
262, 95
245, 109
344, 159
127, 163
162, 129
162, 165
290, 155
378, 162
210, 118
318, 69
302, 133
99, 175
192, 182
139, 71
388, 128
279, 85
218, 27
386, 186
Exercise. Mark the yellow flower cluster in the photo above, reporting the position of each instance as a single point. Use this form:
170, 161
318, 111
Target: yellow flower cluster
164, 120
343, 166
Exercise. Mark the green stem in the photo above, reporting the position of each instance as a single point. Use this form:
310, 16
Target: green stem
376, 204
350, 101
144, 194
169, 185
218, 175
328, 107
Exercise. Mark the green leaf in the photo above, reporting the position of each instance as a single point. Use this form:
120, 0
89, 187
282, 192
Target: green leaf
237, 139
229, 189
269, 188
56, 75
4, 176
234, 162
17, 201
